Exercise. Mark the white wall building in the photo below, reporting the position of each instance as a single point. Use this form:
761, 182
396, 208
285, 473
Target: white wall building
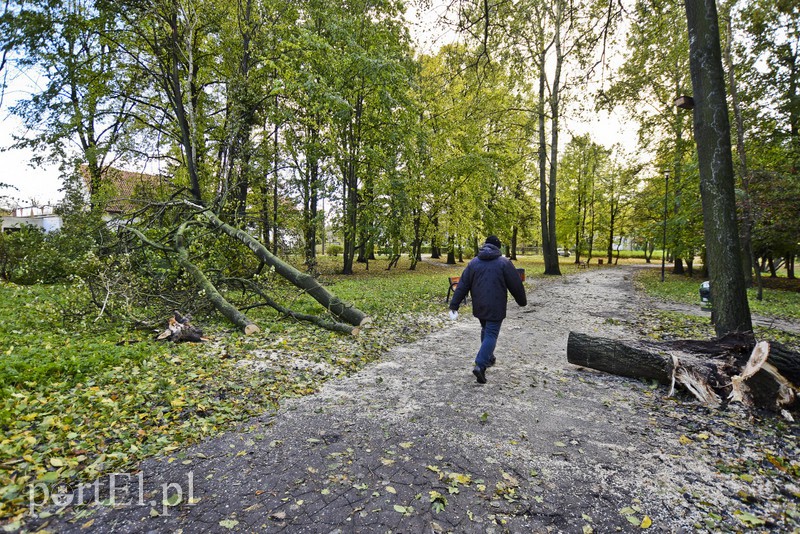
41, 217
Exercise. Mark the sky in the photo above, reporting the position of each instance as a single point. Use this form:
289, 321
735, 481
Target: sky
34, 186
40, 186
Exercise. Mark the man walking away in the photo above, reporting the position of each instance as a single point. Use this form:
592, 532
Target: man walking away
489, 277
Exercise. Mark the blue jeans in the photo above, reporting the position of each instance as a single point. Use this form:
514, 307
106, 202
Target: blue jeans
489, 332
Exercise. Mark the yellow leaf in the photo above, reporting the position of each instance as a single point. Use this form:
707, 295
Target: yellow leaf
646, 522
460, 478
57, 462
684, 440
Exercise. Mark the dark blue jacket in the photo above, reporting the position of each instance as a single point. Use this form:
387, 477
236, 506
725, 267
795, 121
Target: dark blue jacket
489, 277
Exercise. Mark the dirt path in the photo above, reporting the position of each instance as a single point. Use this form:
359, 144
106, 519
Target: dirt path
413, 444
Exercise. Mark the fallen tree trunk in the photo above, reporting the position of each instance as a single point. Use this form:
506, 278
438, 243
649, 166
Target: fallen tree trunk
630, 359
340, 309
729, 369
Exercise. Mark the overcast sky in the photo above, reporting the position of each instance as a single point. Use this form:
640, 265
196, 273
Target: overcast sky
33, 185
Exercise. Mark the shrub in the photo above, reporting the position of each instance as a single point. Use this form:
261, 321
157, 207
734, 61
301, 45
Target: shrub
24, 256
29, 255
334, 250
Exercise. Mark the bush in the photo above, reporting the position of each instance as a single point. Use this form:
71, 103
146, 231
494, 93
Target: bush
29, 255
334, 250
26, 256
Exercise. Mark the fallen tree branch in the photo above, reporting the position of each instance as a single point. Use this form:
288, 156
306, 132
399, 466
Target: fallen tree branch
313, 319
340, 309
216, 298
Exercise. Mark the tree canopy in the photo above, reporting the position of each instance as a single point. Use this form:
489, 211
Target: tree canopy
309, 124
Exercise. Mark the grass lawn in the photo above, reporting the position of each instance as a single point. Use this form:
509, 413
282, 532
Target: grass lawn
781, 296
80, 398
781, 299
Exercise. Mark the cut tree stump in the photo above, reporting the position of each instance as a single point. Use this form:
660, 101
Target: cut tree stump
728, 369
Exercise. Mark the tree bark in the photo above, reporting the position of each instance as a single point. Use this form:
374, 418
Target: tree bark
630, 359
712, 134
732, 368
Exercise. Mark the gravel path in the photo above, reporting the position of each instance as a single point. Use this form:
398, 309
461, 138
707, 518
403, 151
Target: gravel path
412, 444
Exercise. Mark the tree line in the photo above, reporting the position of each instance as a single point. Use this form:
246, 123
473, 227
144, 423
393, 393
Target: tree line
284, 119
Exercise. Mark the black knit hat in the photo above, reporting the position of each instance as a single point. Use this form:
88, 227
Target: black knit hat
493, 240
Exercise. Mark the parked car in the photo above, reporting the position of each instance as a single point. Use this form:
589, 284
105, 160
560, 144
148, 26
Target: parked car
563, 252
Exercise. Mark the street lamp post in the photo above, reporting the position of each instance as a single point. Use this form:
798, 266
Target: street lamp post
664, 238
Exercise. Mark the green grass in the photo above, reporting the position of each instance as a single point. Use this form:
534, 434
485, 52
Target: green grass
80, 398
783, 302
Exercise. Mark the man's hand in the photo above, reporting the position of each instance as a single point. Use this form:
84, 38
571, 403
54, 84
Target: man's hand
453, 315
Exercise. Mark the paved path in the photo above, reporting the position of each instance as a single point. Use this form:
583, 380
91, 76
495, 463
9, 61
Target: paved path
412, 444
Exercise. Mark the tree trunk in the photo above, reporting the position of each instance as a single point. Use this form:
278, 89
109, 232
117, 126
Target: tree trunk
451, 251
513, 248
311, 201
712, 134
748, 260
435, 251
416, 244
211, 293
732, 368
275, 182
630, 359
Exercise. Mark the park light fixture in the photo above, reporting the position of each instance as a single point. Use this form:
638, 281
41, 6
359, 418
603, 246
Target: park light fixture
684, 102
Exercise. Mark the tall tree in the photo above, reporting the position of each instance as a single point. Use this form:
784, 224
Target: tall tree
84, 103
552, 44
370, 73
646, 86
773, 40
581, 167
712, 133
768, 68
